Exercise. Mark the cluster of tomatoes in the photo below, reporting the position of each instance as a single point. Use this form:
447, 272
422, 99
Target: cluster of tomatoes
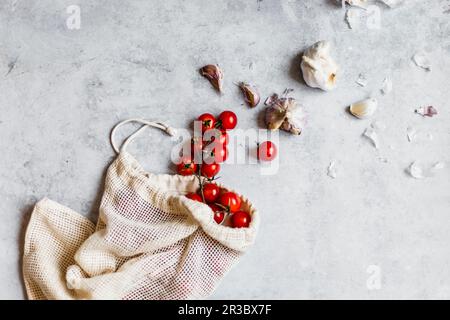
222, 203
207, 153
210, 150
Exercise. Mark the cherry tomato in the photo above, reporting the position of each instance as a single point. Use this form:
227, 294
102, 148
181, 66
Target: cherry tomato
224, 138
209, 170
215, 153
221, 136
186, 167
194, 196
240, 219
230, 200
211, 192
267, 151
208, 121
227, 120
219, 215
197, 149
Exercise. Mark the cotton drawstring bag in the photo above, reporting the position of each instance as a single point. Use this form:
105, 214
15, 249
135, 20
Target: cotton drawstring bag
150, 241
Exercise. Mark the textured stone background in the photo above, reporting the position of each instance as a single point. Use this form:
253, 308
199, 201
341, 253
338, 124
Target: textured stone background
62, 90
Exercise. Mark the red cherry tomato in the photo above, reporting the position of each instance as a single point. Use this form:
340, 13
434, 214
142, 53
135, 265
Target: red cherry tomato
194, 196
240, 219
267, 151
215, 153
220, 136
186, 167
230, 200
224, 138
209, 170
197, 149
211, 192
227, 120
220, 154
219, 215
208, 121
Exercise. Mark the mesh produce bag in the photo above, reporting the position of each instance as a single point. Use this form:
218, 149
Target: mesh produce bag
150, 242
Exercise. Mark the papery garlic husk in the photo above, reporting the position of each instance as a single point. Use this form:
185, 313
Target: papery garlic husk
331, 170
392, 3
318, 67
429, 111
352, 17
251, 95
284, 113
386, 86
416, 171
357, 3
420, 171
421, 60
364, 109
372, 136
214, 74
362, 80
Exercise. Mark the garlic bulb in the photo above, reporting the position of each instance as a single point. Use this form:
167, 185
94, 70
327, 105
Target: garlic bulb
364, 109
284, 113
318, 68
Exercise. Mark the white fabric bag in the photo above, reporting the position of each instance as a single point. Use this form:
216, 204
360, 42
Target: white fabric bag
150, 242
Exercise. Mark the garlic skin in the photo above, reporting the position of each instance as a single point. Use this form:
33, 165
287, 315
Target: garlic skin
318, 67
364, 109
372, 136
284, 113
421, 60
416, 171
386, 87
392, 3
352, 17
331, 170
429, 111
362, 80
357, 3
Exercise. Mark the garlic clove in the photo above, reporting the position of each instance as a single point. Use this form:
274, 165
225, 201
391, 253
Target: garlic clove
251, 95
295, 118
274, 117
364, 109
290, 126
318, 67
284, 113
214, 74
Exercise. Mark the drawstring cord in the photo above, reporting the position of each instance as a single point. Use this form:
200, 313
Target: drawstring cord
160, 125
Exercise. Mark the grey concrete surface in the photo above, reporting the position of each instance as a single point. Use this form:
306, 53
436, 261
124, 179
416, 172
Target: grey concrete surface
373, 232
